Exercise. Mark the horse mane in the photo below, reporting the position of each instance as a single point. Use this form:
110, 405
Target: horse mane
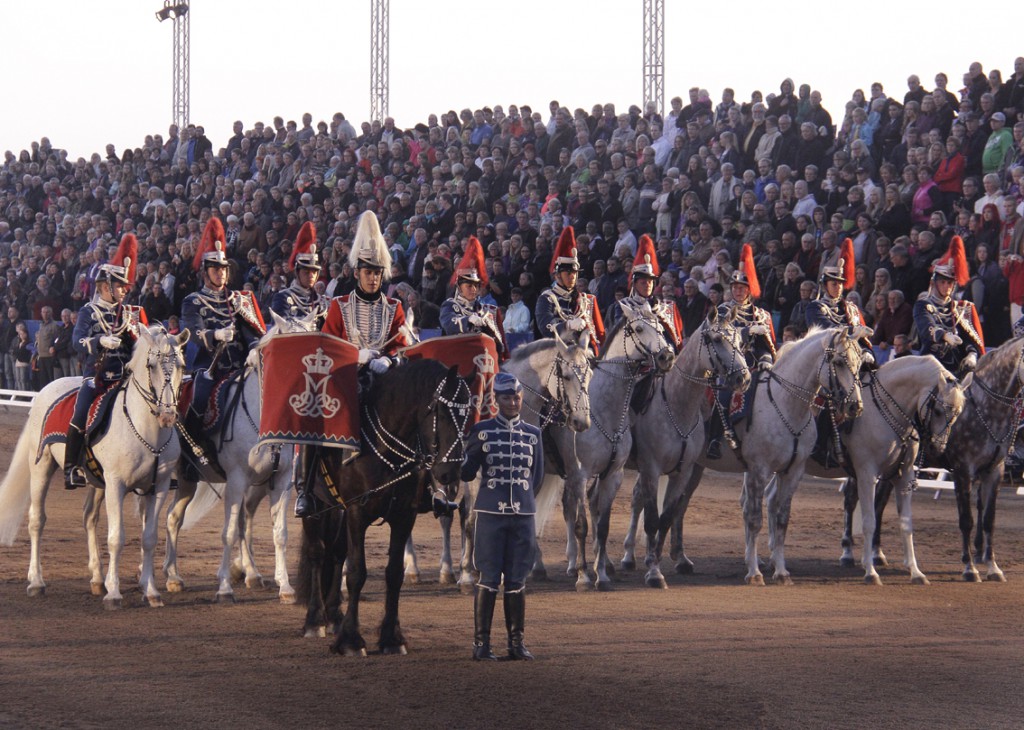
612, 334
997, 355
813, 331
523, 352
405, 387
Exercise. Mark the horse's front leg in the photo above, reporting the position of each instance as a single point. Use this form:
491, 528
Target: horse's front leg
115, 542
780, 503
636, 508
905, 511
391, 639
750, 500
988, 490
410, 565
233, 491
647, 484
175, 517
601, 512
40, 484
574, 506
684, 566
851, 498
147, 579
279, 504
91, 511
962, 489
349, 640
883, 490
865, 490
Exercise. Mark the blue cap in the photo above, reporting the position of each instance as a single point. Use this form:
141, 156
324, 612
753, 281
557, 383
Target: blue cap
506, 384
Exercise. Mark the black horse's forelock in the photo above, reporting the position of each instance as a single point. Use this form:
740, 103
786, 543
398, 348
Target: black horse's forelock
406, 387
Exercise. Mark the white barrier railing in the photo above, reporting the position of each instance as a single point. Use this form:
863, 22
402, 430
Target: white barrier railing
16, 398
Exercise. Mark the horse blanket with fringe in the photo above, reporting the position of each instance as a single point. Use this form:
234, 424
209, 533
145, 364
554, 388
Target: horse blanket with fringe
476, 357
57, 420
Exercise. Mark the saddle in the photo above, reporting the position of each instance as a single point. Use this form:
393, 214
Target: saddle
57, 420
214, 411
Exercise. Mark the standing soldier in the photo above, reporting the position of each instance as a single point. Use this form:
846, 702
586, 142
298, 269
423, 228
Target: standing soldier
831, 310
508, 451
368, 319
562, 302
758, 340
645, 273
464, 312
105, 335
225, 324
301, 298
949, 329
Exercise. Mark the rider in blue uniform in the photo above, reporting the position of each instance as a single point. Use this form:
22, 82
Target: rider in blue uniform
563, 302
301, 298
225, 324
105, 335
949, 329
831, 309
464, 312
509, 453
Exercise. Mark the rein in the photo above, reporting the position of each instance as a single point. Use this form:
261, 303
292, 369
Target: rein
559, 414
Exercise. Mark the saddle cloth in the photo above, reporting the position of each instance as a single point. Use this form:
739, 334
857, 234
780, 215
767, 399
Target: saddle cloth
215, 408
58, 417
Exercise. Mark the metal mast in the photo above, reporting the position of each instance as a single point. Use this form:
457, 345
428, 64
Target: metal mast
654, 53
379, 68
178, 13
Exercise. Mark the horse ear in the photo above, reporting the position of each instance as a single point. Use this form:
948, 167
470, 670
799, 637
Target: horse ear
278, 320
453, 372
712, 315
183, 337
966, 382
146, 335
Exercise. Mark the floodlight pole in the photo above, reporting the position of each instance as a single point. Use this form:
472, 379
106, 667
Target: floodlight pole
379, 64
654, 53
179, 13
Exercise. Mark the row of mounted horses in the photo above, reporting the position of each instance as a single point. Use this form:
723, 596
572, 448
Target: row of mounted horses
638, 404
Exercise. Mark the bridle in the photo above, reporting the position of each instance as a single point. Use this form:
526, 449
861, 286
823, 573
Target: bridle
555, 409
159, 399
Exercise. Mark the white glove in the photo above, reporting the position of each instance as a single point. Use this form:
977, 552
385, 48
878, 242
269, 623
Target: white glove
366, 354
758, 329
476, 320
380, 365
225, 334
110, 342
576, 324
765, 363
969, 363
951, 339
867, 357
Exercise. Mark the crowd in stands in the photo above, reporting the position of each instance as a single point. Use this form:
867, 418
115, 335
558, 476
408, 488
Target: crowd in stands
900, 175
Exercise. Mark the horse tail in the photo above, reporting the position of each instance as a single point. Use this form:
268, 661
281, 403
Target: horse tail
15, 490
304, 579
202, 502
549, 495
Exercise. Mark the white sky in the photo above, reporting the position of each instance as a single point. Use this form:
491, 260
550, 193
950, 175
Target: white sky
89, 73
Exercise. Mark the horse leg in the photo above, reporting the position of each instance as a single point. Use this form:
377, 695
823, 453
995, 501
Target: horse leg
780, 501
446, 572
115, 543
312, 567
40, 481
684, 566
410, 566
91, 510
233, 491
392, 641
467, 568
175, 517
865, 488
636, 508
750, 501
349, 641
988, 490
903, 507
647, 484
279, 503
244, 566
147, 579
962, 489
851, 498
576, 517
883, 490
601, 511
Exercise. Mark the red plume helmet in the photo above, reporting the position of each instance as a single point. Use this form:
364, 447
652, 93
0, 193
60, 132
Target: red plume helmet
565, 252
849, 266
746, 272
304, 250
127, 257
646, 261
471, 265
211, 245
953, 264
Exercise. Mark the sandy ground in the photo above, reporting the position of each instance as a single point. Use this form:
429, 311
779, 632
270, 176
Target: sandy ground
827, 652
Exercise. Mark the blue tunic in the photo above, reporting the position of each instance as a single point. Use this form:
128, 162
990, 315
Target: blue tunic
296, 303
99, 318
455, 314
206, 311
511, 457
934, 318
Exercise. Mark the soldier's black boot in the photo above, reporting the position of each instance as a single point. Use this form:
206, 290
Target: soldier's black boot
305, 502
74, 475
714, 450
515, 620
483, 613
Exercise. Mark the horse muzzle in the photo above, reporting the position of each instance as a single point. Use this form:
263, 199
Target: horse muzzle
854, 409
664, 359
578, 423
167, 419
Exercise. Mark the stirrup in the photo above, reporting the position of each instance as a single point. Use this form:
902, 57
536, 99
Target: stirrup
305, 506
74, 478
714, 450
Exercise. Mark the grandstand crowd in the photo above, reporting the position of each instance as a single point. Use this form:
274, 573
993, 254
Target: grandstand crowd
900, 175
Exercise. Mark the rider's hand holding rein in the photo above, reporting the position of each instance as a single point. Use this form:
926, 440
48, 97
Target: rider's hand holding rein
110, 342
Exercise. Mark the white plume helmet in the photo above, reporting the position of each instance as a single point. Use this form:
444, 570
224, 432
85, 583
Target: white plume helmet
369, 248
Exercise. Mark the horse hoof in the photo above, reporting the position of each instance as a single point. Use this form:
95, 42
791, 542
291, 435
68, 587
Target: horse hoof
226, 599
584, 586
627, 564
175, 586
684, 568
919, 580
35, 591
412, 578
609, 568
112, 604
97, 589
784, 580
971, 576
467, 589
237, 574
539, 574
399, 650
446, 578
319, 632
353, 651
605, 586
848, 563
287, 598
755, 580
155, 601
255, 582
996, 577
881, 561
656, 582
872, 580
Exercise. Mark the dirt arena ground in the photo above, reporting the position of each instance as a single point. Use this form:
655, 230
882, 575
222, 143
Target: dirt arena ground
709, 652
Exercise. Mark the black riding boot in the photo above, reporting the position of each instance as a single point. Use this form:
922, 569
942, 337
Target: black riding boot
305, 502
515, 620
74, 475
483, 613
192, 461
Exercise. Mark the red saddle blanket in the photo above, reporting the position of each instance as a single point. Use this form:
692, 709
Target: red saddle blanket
58, 416
476, 357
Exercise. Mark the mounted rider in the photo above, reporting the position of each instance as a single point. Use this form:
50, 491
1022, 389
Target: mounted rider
645, 274
562, 302
368, 319
757, 337
948, 328
464, 312
225, 323
301, 299
831, 310
105, 334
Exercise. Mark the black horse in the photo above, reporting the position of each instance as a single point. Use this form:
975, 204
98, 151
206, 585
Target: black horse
412, 422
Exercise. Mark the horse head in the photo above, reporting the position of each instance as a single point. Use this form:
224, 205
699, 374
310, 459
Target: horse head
157, 367
442, 427
724, 346
841, 369
940, 407
573, 372
640, 338
281, 325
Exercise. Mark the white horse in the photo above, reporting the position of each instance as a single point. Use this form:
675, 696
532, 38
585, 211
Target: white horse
779, 433
252, 472
634, 348
555, 374
669, 433
137, 453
